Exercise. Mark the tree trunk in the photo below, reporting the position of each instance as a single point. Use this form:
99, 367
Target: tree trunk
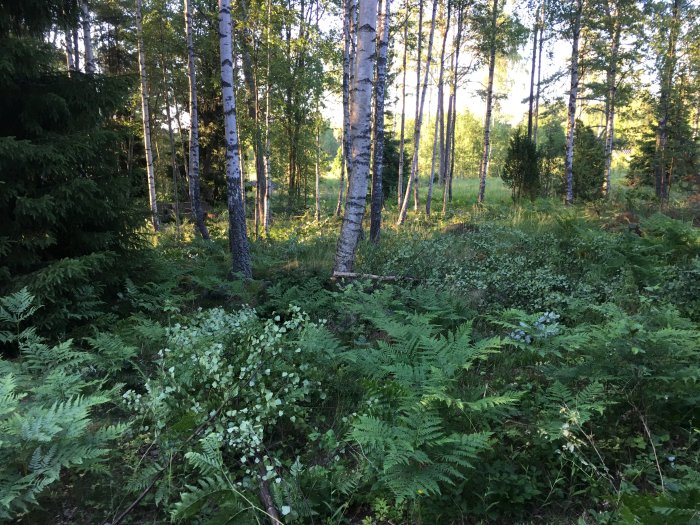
452, 117
193, 168
669, 63
419, 121
539, 76
145, 113
345, 147
439, 117
87, 39
360, 124
249, 69
317, 214
76, 49
571, 120
70, 61
611, 74
268, 171
414, 175
173, 156
486, 150
378, 150
402, 141
530, 112
238, 241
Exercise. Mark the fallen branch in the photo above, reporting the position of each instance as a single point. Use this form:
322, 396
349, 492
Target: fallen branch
371, 276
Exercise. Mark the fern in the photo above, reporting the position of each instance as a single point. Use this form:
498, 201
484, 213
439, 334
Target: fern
46, 406
418, 431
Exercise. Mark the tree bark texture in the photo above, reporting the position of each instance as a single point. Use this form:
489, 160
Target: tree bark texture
193, 167
238, 241
611, 81
402, 139
439, 116
87, 39
577, 10
146, 115
360, 124
378, 150
661, 175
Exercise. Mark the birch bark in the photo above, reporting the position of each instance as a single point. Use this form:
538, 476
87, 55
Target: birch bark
419, 121
146, 115
573, 92
87, 39
378, 150
238, 241
193, 168
360, 124
486, 151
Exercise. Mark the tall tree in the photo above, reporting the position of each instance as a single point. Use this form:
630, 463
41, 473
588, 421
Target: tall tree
413, 180
667, 70
452, 114
531, 101
573, 15
238, 240
485, 154
193, 169
378, 150
402, 139
345, 147
439, 115
146, 115
614, 31
87, 38
360, 127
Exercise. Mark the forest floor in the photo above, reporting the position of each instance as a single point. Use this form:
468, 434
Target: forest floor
531, 364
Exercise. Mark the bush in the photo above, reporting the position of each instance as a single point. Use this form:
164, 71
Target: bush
521, 171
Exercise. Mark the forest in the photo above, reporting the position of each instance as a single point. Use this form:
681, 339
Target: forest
350, 262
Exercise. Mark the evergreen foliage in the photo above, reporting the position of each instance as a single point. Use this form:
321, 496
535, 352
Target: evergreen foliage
65, 212
521, 171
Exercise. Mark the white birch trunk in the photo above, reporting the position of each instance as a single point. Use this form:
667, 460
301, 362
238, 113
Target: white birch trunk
193, 168
146, 115
439, 116
70, 64
418, 125
486, 150
616, 30
378, 151
360, 127
573, 92
268, 172
87, 39
402, 143
317, 211
238, 240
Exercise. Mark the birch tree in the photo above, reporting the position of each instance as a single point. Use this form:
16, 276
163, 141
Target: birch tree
413, 180
402, 139
378, 150
345, 146
439, 115
146, 115
574, 15
238, 240
193, 168
87, 38
484, 169
360, 127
